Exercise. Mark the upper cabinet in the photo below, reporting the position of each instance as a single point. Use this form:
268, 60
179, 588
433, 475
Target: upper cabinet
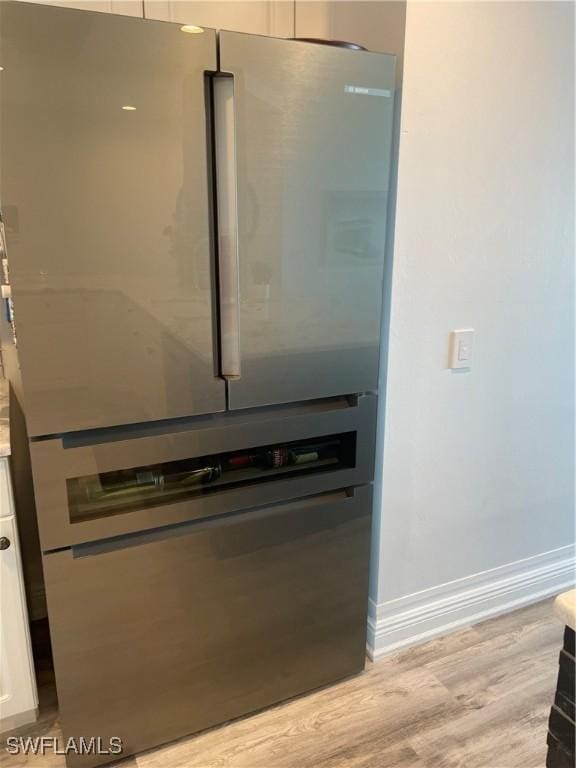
378, 25
258, 17
123, 7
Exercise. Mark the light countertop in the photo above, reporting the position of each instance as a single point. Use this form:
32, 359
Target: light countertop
565, 608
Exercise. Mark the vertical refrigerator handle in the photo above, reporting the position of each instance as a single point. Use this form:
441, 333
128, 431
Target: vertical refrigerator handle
227, 210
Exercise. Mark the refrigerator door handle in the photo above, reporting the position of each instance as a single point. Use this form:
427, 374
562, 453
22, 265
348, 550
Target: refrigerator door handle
227, 210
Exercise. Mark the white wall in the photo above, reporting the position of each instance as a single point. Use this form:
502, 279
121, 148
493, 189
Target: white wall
478, 470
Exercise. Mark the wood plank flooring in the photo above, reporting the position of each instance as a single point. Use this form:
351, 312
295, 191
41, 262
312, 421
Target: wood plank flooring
479, 698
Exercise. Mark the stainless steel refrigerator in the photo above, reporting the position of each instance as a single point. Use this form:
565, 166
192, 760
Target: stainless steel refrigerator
194, 247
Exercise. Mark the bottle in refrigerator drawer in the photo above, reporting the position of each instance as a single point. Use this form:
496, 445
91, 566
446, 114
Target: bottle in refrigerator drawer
153, 481
132, 488
140, 487
284, 456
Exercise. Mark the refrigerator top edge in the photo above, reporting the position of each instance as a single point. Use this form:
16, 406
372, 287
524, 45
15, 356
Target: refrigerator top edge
327, 44
337, 48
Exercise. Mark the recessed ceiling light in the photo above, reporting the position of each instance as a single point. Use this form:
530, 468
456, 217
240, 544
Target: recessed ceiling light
192, 29
1, 69
129, 108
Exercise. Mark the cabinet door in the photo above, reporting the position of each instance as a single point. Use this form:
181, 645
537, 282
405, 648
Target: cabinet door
105, 184
123, 7
227, 617
313, 130
18, 698
378, 25
260, 17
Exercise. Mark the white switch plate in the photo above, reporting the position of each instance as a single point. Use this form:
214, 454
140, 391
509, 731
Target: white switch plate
461, 348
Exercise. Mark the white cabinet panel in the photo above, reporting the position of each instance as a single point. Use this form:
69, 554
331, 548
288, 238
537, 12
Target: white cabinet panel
376, 24
259, 17
314, 18
18, 697
124, 7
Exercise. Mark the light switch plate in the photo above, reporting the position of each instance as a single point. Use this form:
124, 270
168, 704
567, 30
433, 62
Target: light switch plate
461, 348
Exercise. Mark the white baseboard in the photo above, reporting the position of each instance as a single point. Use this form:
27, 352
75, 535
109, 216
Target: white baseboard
18, 721
423, 615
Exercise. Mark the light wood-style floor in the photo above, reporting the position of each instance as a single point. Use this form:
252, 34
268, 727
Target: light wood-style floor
478, 698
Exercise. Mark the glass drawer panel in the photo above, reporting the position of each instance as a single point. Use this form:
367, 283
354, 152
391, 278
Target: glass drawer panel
123, 490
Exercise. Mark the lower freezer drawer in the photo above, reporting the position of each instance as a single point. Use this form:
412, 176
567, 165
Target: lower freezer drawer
160, 634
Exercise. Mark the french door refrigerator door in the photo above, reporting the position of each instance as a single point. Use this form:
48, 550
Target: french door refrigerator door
163, 633
105, 194
311, 132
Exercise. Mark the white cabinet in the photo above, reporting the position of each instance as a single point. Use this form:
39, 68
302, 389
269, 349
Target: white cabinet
376, 24
18, 696
124, 7
259, 17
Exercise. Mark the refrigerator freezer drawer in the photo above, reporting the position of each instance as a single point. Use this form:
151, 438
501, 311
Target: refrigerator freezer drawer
162, 634
105, 484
